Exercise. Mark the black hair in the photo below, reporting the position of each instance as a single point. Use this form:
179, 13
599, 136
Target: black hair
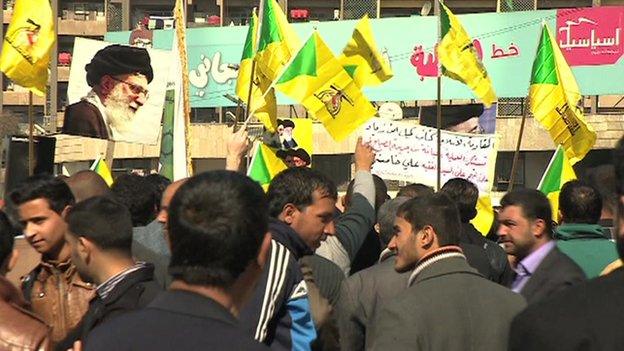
415, 190
138, 195
7, 237
103, 221
465, 196
159, 183
217, 221
534, 205
579, 202
296, 186
436, 210
381, 192
43, 186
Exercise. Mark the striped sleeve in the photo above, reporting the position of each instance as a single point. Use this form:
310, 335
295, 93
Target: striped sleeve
277, 270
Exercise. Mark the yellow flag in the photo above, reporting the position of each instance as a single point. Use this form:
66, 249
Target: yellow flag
27, 44
278, 41
100, 167
361, 59
485, 214
555, 99
244, 68
316, 79
459, 60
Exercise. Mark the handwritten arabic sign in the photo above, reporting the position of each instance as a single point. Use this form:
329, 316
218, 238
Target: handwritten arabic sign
591, 36
406, 151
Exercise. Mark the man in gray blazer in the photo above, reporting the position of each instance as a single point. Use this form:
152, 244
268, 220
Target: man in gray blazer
446, 306
525, 231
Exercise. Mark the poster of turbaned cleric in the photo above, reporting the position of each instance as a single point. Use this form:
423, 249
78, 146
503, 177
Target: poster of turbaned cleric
116, 92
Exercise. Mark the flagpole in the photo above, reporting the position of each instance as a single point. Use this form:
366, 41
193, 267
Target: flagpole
248, 111
180, 18
512, 176
31, 144
439, 102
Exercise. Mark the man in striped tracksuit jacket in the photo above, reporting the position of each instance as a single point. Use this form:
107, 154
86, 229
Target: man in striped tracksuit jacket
301, 204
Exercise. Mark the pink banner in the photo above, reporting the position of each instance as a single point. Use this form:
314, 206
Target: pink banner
591, 36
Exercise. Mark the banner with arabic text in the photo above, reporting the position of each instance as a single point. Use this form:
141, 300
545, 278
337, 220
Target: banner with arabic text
407, 151
591, 40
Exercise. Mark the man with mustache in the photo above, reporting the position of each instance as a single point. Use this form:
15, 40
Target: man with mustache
118, 76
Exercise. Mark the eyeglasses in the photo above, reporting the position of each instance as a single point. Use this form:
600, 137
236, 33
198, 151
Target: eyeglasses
135, 88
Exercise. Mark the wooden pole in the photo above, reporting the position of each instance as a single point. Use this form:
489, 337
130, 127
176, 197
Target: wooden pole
248, 111
51, 125
439, 105
31, 143
512, 176
110, 154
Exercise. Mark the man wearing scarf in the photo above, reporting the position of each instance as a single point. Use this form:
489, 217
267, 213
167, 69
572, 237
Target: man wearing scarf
448, 304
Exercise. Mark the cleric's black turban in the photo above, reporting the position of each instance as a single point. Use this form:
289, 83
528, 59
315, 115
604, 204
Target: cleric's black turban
118, 59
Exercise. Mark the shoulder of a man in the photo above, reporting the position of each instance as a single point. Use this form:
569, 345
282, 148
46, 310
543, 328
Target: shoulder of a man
22, 328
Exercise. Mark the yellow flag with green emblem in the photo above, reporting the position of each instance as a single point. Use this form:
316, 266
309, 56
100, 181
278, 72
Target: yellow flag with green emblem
263, 103
361, 59
244, 68
27, 45
459, 58
100, 167
555, 98
278, 41
317, 80
558, 172
265, 165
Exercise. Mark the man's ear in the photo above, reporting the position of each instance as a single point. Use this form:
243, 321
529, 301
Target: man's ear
538, 228
12, 260
65, 212
428, 236
84, 248
377, 227
289, 212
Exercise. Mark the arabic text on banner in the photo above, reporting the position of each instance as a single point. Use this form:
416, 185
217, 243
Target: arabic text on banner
406, 151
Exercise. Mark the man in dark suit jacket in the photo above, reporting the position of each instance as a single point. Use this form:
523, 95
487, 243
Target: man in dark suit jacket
217, 232
119, 76
526, 232
100, 237
584, 317
446, 305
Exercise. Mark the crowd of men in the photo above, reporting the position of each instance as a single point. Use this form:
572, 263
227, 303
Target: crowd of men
213, 262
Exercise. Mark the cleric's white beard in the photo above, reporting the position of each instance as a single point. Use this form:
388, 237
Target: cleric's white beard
118, 111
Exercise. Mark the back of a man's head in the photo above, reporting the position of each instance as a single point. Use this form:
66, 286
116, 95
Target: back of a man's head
579, 202
381, 192
415, 190
103, 221
159, 183
465, 196
602, 178
138, 195
86, 184
297, 186
386, 217
54, 190
217, 222
437, 211
7, 239
534, 205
